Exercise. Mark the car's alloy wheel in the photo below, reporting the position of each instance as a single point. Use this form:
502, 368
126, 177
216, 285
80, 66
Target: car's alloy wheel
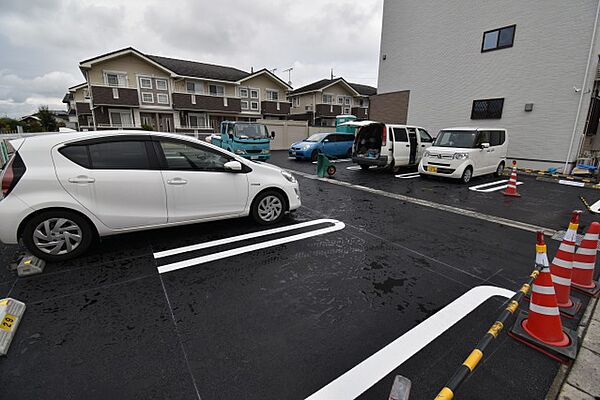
270, 208
500, 169
467, 175
57, 236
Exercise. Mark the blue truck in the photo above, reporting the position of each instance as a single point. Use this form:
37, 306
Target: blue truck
247, 139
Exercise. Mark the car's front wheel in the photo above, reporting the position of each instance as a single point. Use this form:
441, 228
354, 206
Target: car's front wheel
268, 207
57, 235
467, 175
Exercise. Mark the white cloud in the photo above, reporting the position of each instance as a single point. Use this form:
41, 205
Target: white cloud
42, 41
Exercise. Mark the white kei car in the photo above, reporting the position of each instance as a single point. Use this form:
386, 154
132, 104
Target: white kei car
60, 192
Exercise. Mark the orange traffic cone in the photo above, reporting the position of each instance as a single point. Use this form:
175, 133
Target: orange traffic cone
561, 269
542, 328
582, 278
511, 188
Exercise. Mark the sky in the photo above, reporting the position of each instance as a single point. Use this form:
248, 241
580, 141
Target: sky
42, 41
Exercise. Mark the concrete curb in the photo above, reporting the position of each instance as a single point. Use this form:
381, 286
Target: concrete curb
576, 382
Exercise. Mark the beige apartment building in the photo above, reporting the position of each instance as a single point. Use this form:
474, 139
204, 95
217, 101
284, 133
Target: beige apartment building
320, 102
129, 89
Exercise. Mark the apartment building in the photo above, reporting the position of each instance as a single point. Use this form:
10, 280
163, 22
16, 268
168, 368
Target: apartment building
320, 102
530, 67
130, 89
79, 109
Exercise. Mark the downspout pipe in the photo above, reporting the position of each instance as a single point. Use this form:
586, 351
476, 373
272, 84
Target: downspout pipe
583, 86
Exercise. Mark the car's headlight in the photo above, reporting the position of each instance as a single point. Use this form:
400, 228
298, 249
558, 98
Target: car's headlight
426, 154
288, 176
460, 156
306, 147
265, 151
240, 151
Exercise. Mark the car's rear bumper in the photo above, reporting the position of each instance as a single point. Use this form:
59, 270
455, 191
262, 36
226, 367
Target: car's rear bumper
381, 161
13, 211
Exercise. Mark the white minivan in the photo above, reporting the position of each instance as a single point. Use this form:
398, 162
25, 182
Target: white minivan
388, 145
466, 152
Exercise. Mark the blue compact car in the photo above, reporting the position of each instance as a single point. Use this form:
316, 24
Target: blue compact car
333, 144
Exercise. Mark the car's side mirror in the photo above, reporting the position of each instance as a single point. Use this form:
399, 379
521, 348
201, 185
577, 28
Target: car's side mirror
272, 135
233, 166
485, 145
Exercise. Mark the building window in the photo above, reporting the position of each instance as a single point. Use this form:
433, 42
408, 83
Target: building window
147, 98
245, 105
254, 105
161, 84
487, 109
348, 101
194, 87
295, 101
148, 121
254, 93
244, 93
216, 90
346, 111
498, 38
327, 99
146, 83
340, 100
86, 94
120, 118
90, 120
162, 98
198, 120
115, 79
308, 108
272, 95
115, 93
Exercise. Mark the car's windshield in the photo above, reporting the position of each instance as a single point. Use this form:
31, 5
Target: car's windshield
317, 137
253, 131
464, 139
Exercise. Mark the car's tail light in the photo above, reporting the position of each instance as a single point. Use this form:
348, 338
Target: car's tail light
12, 174
383, 136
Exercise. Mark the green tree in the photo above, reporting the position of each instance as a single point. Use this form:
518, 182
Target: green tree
47, 120
8, 124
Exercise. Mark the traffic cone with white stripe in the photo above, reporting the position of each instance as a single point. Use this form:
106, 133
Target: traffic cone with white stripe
561, 269
542, 328
511, 188
582, 278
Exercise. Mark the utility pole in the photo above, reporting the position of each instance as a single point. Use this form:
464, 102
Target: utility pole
331, 73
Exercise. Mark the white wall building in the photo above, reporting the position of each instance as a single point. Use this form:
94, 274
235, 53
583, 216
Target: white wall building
449, 54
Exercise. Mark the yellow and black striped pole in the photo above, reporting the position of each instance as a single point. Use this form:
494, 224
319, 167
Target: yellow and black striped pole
468, 366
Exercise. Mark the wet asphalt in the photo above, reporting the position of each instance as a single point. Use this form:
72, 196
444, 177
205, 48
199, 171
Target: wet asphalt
282, 322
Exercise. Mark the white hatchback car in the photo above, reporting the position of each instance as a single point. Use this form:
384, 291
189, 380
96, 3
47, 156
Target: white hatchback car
61, 191
466, 152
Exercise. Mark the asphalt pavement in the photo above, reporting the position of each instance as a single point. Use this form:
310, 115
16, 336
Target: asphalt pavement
288, 319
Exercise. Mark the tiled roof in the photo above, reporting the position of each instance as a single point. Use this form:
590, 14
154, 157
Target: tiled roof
200, 70
318, 85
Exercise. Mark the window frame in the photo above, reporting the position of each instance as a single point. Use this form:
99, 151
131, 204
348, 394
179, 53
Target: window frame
497, 47
396, 137
242, 95
196, 86
145, 78
198, 116
158, 95
119, 111
270, 93
253, 108
123, 83
162, 159
247, 107
153, 164
430, 140
211, 85
161, 80
331, 96
151, 96
474, 116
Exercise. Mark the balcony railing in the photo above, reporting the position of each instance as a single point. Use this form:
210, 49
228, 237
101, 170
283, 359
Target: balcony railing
119, 126
188, 101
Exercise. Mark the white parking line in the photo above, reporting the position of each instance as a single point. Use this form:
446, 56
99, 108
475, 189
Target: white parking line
360, 378
410, 175
571, 183
438, 206
337, 225
485, 187
353, 167
337, 160
595, 207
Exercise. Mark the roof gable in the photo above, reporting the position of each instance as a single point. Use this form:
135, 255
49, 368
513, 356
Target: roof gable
356, 88
271, 75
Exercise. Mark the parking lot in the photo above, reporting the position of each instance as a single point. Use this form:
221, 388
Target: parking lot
285, 312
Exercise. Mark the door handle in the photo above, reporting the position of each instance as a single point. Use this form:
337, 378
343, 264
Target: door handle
177, 181
82, 179
408, 145
422, 145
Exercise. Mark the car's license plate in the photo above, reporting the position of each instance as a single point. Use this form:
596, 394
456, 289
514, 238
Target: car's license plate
254, 158
7, 322
431, 169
